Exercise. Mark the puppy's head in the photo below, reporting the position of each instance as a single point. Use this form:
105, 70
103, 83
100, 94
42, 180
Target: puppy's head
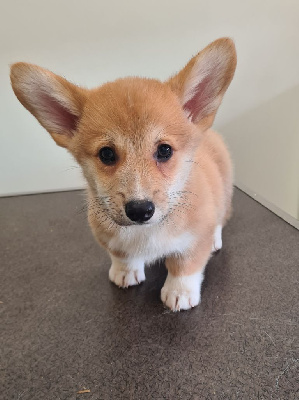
133, 137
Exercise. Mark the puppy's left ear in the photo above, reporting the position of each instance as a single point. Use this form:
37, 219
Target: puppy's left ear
201, 85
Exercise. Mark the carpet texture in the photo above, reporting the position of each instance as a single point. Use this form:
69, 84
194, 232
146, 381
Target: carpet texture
65, 328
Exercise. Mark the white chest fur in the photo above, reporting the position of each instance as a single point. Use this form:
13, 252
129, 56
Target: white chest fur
150, 242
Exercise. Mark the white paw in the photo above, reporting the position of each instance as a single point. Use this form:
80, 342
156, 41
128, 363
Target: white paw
124, 277
182, 292
217, 245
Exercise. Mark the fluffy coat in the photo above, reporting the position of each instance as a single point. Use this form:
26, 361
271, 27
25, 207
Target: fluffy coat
191, 191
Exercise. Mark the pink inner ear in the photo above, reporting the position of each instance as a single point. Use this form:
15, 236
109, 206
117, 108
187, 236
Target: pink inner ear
202, 96
59, 116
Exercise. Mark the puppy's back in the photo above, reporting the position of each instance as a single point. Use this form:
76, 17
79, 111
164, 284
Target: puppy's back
215, 163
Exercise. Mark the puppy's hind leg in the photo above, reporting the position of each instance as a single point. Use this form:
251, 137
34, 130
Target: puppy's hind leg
217, 244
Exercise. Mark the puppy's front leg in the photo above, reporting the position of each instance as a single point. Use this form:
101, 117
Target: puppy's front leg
181, 290
126, 273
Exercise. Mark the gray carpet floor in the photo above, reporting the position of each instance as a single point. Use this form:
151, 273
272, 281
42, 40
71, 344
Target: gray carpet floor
65, 328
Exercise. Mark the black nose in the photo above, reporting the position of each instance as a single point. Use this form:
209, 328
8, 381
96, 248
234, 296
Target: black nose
140, 210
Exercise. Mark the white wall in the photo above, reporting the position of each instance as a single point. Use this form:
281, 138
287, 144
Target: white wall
264, 143
93, 41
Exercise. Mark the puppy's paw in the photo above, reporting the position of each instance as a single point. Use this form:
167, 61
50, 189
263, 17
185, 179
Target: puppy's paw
125, 278
182, 292
217, 245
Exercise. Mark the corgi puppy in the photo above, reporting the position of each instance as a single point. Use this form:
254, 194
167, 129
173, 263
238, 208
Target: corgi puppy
159, 179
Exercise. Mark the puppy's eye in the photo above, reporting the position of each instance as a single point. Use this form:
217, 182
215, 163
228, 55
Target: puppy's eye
164, 152
107, 155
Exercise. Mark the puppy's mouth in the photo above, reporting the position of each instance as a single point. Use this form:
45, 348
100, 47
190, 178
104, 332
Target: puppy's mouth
126, 223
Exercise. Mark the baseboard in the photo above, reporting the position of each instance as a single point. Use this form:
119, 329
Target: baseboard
276, 210
14, 194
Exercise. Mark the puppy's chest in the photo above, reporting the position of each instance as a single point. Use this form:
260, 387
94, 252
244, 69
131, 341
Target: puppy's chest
150, 243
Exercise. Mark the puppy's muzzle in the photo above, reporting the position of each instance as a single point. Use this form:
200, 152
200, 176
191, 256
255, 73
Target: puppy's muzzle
140, 210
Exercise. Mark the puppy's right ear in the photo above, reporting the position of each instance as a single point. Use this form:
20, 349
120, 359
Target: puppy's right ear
56, 103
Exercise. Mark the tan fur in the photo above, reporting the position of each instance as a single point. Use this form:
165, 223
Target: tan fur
133, 116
